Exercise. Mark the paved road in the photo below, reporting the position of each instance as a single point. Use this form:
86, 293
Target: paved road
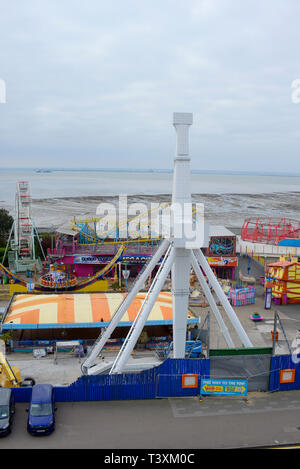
266, 419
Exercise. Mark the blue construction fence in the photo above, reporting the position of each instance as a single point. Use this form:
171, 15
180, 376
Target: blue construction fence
162, 381
280, 363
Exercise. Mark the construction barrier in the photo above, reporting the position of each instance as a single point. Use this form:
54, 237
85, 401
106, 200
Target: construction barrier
284, 373
165, 380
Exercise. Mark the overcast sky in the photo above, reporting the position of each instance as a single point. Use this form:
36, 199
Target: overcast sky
94, 83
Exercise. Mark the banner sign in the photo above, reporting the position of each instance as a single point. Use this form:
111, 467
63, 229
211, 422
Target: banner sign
224, 387
223, 261
90, 260
135, 259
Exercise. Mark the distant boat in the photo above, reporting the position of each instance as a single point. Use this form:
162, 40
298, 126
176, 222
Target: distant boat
43, 171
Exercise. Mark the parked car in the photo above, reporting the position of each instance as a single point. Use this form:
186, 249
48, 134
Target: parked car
41, 413
7, 410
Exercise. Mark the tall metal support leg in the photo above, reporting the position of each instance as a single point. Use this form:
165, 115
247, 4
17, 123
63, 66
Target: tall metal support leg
141, 318
212, 302
124, 306
223, 299
180, 296
181, 198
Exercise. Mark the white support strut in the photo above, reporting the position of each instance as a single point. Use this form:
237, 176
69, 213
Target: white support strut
180, 299
145, 310
223, 299
125, 305
212, 302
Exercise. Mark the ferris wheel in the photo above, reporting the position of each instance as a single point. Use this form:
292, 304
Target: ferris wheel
24, 235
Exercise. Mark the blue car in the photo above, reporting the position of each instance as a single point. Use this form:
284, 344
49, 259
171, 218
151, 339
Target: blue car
41, 413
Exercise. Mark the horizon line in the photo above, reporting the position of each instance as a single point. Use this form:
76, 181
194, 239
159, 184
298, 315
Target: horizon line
156, 170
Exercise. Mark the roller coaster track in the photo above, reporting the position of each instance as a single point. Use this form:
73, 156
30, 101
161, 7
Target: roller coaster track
94, 239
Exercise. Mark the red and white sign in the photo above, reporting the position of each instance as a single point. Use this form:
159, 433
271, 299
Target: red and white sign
223, 261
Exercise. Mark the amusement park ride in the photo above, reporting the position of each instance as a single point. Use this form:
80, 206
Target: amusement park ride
22, 256
270, 231
180, 255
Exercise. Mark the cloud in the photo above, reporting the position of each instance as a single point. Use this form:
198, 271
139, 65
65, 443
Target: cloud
100, 80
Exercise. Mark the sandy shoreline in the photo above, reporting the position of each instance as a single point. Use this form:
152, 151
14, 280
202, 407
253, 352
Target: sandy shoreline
225, 209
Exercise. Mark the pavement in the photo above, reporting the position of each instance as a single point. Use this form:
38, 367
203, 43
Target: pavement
44, 370
187, 423
67, 368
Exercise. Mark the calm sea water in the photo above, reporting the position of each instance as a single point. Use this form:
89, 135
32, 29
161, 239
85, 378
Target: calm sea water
98, 183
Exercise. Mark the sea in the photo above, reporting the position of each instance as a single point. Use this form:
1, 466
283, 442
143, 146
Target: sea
228, 197
82, 183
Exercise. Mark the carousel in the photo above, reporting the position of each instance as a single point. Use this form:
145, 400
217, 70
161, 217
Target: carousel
58, 278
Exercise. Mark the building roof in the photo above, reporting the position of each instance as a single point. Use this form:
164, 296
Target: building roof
282, 264
49, 311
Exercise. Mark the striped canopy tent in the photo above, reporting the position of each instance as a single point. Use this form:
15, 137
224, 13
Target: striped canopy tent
79, 310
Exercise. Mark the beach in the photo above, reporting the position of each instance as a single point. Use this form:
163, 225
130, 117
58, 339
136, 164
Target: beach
59, 195
221, 209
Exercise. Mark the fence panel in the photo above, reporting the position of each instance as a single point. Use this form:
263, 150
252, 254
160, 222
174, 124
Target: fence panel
169, 377
283, 362
22, 394
171, 386
254, 368
164, 380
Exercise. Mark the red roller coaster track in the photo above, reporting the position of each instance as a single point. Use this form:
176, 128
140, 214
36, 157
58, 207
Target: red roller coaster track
269, 231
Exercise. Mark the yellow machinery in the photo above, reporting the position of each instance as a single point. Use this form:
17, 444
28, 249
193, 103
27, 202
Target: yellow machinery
10, 376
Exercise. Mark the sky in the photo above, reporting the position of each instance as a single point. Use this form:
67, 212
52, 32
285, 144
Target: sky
94, 84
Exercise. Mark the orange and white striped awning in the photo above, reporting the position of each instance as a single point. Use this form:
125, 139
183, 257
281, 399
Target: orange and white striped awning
82, 310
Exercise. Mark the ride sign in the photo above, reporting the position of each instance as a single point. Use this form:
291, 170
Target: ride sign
224, 387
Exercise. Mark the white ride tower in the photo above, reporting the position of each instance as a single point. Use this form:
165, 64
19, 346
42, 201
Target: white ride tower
181, 251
